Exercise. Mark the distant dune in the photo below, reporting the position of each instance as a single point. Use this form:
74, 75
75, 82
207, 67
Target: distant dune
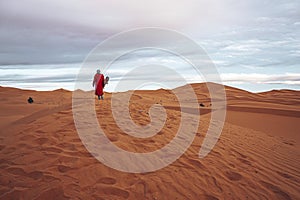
257, 155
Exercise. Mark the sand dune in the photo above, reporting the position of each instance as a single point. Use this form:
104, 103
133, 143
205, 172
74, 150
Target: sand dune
256, 157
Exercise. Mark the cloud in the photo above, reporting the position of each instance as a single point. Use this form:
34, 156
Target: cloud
40, 77
243, 38
240, 78
65, 31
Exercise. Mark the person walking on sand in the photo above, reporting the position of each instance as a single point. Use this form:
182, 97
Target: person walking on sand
98, 82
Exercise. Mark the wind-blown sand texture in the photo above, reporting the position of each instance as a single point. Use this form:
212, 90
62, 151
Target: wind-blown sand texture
256, 157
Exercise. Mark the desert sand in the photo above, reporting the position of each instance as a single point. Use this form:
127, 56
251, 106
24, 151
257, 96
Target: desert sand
257, 155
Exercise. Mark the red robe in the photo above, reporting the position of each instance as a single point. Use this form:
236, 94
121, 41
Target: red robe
99, 82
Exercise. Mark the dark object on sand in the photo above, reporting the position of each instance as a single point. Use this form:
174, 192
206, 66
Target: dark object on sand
30, 100
202, 105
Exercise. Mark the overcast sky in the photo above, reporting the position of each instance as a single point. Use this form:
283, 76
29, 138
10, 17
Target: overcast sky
255, 44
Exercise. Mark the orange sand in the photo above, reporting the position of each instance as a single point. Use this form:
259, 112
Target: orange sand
256, 157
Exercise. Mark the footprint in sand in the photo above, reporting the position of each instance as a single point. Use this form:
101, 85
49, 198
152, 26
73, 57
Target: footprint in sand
233, 176
41, 141
53, 193
246, 162
9, 150
68, 159
26, 138
76, 140
208, 197
115, 191
113, 138
40, 131
276, 190
285, 175
53, 150
291, 143
49, 178
17, 171
84, 154
107, 181
196, 163
36, 175
63, 168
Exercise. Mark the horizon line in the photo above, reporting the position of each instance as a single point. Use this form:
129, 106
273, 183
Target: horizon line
37, 90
